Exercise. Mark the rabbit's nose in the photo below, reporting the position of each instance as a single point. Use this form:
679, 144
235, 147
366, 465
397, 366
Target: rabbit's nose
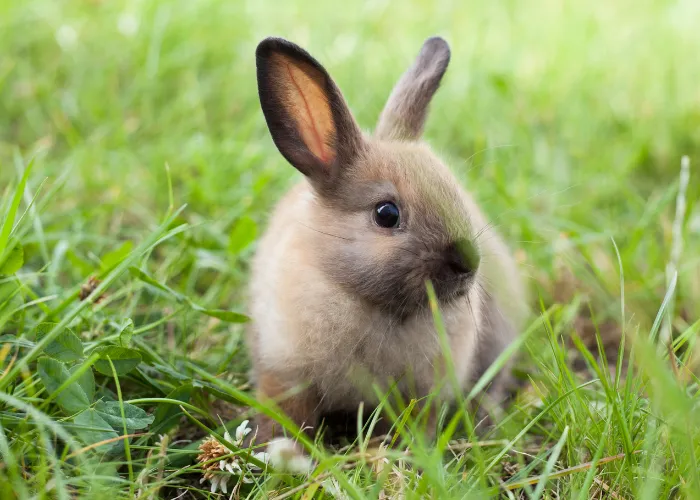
461, 257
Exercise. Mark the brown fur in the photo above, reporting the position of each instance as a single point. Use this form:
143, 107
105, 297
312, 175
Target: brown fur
339, 303
405, 111
301, 407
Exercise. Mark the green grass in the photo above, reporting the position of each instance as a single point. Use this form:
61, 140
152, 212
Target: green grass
568, 121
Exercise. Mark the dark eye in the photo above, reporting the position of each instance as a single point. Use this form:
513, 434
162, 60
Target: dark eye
386, 214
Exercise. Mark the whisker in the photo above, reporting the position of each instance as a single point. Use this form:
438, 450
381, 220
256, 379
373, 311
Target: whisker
325, 233
355, 239
483, 230
411, 252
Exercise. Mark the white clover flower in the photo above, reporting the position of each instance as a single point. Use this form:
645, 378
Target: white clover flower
234, 468
227, 438
241, 432
217, 481
220, 471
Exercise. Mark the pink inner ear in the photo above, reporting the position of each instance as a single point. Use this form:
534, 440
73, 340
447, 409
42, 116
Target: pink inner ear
307, 127
305, 100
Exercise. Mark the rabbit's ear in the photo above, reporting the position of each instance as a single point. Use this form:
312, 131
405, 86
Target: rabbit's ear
406, 110
307, 116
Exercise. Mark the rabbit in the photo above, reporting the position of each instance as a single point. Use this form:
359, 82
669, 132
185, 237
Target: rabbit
338, 297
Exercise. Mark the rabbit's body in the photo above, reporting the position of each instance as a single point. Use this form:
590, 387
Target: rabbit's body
324, 342
338, 290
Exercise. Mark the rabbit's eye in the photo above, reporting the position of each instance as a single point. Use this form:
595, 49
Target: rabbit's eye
386, 214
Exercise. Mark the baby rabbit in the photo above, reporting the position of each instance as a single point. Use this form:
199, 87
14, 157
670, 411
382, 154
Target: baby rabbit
338, 293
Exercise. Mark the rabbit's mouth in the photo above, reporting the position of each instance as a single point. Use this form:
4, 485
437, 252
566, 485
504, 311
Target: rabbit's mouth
452, 289
452, 274
412, 299
396, 283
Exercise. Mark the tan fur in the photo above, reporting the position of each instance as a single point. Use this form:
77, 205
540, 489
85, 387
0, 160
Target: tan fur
315, 324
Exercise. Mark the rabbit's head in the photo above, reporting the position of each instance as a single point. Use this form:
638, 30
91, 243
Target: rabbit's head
384, 214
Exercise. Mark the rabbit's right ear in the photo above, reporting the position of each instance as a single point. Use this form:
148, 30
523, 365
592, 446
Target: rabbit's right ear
307, 116
405, 112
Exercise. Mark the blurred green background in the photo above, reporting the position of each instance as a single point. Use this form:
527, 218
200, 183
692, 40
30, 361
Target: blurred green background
566, 119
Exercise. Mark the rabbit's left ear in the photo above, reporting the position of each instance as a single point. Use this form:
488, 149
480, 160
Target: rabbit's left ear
307, 116
405, 112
